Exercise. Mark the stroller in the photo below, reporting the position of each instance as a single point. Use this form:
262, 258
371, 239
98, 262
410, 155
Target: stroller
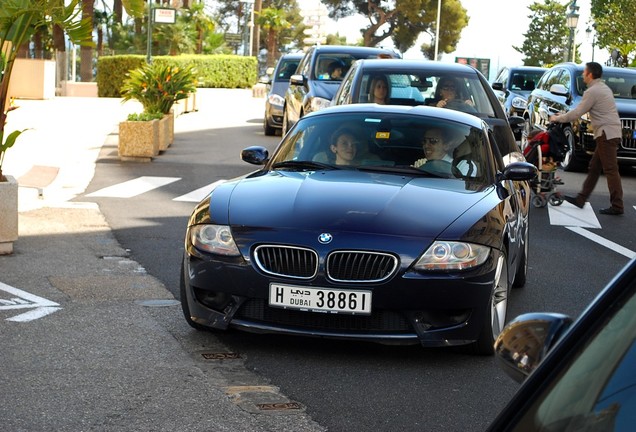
546, 150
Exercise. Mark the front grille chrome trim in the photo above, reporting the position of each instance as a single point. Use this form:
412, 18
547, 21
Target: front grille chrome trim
628, 126
287, 261
355, 266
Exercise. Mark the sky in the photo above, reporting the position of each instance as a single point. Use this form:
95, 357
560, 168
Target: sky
494, 27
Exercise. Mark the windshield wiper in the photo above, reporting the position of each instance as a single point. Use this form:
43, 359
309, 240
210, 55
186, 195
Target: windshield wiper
303, 165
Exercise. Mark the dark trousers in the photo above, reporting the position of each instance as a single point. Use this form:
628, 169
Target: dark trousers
604, 160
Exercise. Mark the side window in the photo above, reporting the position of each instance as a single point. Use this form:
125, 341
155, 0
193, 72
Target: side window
549, 76
565, 78
553, 78
344, 93
303, 67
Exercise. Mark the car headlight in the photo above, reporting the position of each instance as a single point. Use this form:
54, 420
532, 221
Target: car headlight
275, 99
450, 255
216, 239
318, 103
519, 103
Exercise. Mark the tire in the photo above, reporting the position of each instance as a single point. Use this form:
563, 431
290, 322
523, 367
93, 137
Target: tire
184, 303
539, 201
269, 130
285, 122
521, 274
555, 200
497, 309
571, 161
527, 127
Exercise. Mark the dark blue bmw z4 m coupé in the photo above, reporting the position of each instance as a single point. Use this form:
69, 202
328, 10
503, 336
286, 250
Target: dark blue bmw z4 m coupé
390, 224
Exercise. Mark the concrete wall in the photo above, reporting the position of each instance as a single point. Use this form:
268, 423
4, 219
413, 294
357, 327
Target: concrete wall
32, 79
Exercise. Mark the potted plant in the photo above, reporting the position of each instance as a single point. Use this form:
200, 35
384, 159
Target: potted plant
18, 21
157, 87
139, 137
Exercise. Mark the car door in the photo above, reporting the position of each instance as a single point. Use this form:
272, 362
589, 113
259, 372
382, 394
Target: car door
297, 91
541, 99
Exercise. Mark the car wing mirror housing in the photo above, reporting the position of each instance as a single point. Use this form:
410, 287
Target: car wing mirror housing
559, 90
525, 341
255, 155
516, 123
297, 79
519, 171
497, 86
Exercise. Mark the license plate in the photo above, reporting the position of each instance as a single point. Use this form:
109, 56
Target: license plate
320, 299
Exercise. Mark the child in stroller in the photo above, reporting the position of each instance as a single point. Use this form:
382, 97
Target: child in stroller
545, 150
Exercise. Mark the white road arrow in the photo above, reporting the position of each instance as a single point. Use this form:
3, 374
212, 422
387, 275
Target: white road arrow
24, 300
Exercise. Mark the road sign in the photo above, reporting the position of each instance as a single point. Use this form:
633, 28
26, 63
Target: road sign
23, 300
164, 15
233, 37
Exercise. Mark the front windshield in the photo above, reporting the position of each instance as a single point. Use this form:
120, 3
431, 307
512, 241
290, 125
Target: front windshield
462, 92
401, 143
622, 83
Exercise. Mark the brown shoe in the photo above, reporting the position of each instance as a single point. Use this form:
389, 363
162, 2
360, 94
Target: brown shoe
611, 211
573, 200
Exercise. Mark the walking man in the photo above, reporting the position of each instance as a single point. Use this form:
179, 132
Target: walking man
599, 101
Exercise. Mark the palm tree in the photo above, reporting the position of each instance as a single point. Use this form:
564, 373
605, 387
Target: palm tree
273, 21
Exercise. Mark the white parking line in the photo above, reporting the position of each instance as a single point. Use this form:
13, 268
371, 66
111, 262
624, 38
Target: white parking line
133, 187
603, 242
569, 215
198, 194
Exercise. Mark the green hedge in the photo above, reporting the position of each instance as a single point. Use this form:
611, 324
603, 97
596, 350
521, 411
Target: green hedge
212, 71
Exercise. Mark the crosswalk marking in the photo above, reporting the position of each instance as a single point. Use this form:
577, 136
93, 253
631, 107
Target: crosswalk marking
133, 187
569, 215
198, 194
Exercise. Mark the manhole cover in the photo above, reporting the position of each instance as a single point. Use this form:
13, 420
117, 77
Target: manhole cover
157, 303
279, 406
221, 356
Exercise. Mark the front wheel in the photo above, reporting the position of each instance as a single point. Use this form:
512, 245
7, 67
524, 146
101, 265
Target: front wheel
495, 318
570, 160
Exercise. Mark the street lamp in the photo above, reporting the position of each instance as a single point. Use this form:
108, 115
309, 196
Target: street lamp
572, 19
588, 31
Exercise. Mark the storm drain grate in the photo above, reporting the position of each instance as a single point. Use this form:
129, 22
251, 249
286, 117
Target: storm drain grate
221, 356
279, 406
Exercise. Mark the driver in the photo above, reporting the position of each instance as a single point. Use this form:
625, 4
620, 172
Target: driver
447, 95
436, 143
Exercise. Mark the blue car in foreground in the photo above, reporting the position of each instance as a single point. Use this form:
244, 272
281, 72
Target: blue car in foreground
374, 250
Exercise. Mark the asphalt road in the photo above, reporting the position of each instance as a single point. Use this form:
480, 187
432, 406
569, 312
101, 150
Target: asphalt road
359, 386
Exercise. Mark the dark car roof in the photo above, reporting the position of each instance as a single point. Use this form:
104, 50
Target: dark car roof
581, 66
534, 68
424, 110
410, 64
292, 56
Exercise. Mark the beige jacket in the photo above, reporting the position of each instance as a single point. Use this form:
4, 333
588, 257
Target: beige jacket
599, 101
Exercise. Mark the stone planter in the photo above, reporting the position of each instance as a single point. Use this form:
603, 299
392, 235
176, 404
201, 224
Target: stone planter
164, 134
138, 140
170, 117
8, 214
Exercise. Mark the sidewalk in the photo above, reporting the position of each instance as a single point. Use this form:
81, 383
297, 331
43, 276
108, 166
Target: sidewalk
90, 340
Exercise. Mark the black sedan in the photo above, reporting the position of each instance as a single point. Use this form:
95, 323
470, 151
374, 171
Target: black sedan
581, 376
346, 238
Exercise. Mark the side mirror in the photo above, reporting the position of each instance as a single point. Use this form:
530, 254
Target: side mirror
519, 171
559, 90
297, 79
269, 71
255, 155
526, 340
497, 86
265, 79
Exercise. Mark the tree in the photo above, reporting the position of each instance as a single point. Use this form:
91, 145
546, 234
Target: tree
547, 37
273, 21
615, 24
19, 19
404, 20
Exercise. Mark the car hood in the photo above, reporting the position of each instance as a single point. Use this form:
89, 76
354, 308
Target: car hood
326, 89
626, 107
279, 88
346, 200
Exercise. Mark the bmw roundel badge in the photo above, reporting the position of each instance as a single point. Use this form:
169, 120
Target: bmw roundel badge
325, 238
